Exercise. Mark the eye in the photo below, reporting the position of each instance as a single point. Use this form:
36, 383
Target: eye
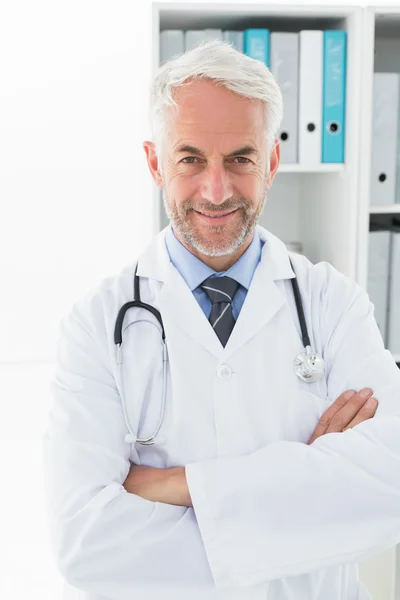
188, 158
243, 158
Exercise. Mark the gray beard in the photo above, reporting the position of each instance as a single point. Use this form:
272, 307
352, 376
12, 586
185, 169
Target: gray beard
214, 247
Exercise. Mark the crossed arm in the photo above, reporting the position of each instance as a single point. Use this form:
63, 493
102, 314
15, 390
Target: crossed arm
159, 485
169, 486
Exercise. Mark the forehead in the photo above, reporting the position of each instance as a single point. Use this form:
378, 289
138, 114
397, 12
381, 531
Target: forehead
203, 107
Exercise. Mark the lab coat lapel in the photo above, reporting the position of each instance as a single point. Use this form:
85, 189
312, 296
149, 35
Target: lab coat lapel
173, 298
176, 301
264, 298
262, 302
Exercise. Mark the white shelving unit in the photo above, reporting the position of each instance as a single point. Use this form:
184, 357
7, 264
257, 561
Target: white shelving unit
323, 201
329, 206
381, 53
385, 210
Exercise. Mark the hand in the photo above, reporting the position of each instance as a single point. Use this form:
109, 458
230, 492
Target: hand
159, 485
145, 481
346, 412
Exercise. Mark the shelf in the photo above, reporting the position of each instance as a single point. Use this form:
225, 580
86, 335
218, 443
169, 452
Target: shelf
388, 209
322, 168
198, 15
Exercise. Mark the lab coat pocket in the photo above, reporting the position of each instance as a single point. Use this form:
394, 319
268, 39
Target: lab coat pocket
304, 411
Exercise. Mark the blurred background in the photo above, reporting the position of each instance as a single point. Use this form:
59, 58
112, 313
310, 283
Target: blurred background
78, 201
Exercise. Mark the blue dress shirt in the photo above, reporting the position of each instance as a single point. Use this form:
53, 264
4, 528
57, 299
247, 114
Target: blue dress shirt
194, 271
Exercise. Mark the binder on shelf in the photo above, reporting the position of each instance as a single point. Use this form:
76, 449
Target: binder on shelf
394, 292
310, 96
284, 56
397, 195
378, 275
398, 157
236, 38
172, 43
384, 138
212, 34
333, 96
195, 37
256, 44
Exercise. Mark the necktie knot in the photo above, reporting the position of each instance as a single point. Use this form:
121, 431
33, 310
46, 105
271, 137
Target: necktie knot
220, 289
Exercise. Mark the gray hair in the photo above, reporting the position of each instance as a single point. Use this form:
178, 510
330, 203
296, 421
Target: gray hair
217, 61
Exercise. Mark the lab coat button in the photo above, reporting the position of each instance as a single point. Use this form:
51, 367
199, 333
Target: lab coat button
224, 372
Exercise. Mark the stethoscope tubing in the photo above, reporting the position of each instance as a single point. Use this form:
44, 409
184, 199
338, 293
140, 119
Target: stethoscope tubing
139, 304
136, 302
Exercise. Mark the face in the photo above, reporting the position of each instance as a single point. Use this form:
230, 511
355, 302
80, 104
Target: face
214, 162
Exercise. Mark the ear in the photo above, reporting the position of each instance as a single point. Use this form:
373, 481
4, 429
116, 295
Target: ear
152, 161
274, 158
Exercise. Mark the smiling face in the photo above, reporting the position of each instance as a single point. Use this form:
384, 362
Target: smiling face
214, 162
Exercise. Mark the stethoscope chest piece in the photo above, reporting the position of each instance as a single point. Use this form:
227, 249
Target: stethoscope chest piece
309, 367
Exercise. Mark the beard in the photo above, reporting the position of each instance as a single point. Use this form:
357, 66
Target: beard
214, 240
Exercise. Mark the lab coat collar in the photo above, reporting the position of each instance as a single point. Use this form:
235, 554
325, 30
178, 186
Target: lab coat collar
175, 300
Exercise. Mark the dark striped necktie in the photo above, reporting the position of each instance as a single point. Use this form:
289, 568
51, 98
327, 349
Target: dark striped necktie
221, 291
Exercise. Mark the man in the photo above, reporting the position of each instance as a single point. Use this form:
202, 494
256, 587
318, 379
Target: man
258, 484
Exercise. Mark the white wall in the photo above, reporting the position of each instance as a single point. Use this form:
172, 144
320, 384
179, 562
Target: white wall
75, 193
76, 202
76, 206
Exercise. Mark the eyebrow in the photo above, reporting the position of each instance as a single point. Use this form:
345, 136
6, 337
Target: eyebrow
243, 151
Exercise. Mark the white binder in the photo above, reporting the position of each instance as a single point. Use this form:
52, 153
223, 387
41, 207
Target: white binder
378, 277
385, 119
394, 295
310, 96
398, 159
285, 68
172, 42
195, 37
236, 38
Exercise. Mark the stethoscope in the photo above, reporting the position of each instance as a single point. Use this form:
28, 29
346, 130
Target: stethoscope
308, 366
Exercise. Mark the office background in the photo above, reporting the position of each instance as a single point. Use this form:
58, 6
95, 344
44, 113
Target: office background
79, 202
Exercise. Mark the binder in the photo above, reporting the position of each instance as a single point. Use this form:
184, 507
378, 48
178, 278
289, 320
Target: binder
236, 38
333, 96
310, 96
378, 275
256, 44
212, 34
285, 67
397, 196
172, 43
394, 293
195, 37
398, 157
384, 138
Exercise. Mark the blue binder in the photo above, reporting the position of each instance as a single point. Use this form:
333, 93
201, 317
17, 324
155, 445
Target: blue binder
256, 44
334, 96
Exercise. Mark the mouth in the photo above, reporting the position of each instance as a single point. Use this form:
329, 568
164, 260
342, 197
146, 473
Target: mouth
216, 218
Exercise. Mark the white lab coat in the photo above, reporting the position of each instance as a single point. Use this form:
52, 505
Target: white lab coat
272, 517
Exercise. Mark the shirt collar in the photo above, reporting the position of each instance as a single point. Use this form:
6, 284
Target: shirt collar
195, 271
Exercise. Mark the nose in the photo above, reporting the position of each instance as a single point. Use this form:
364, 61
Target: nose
216, 186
